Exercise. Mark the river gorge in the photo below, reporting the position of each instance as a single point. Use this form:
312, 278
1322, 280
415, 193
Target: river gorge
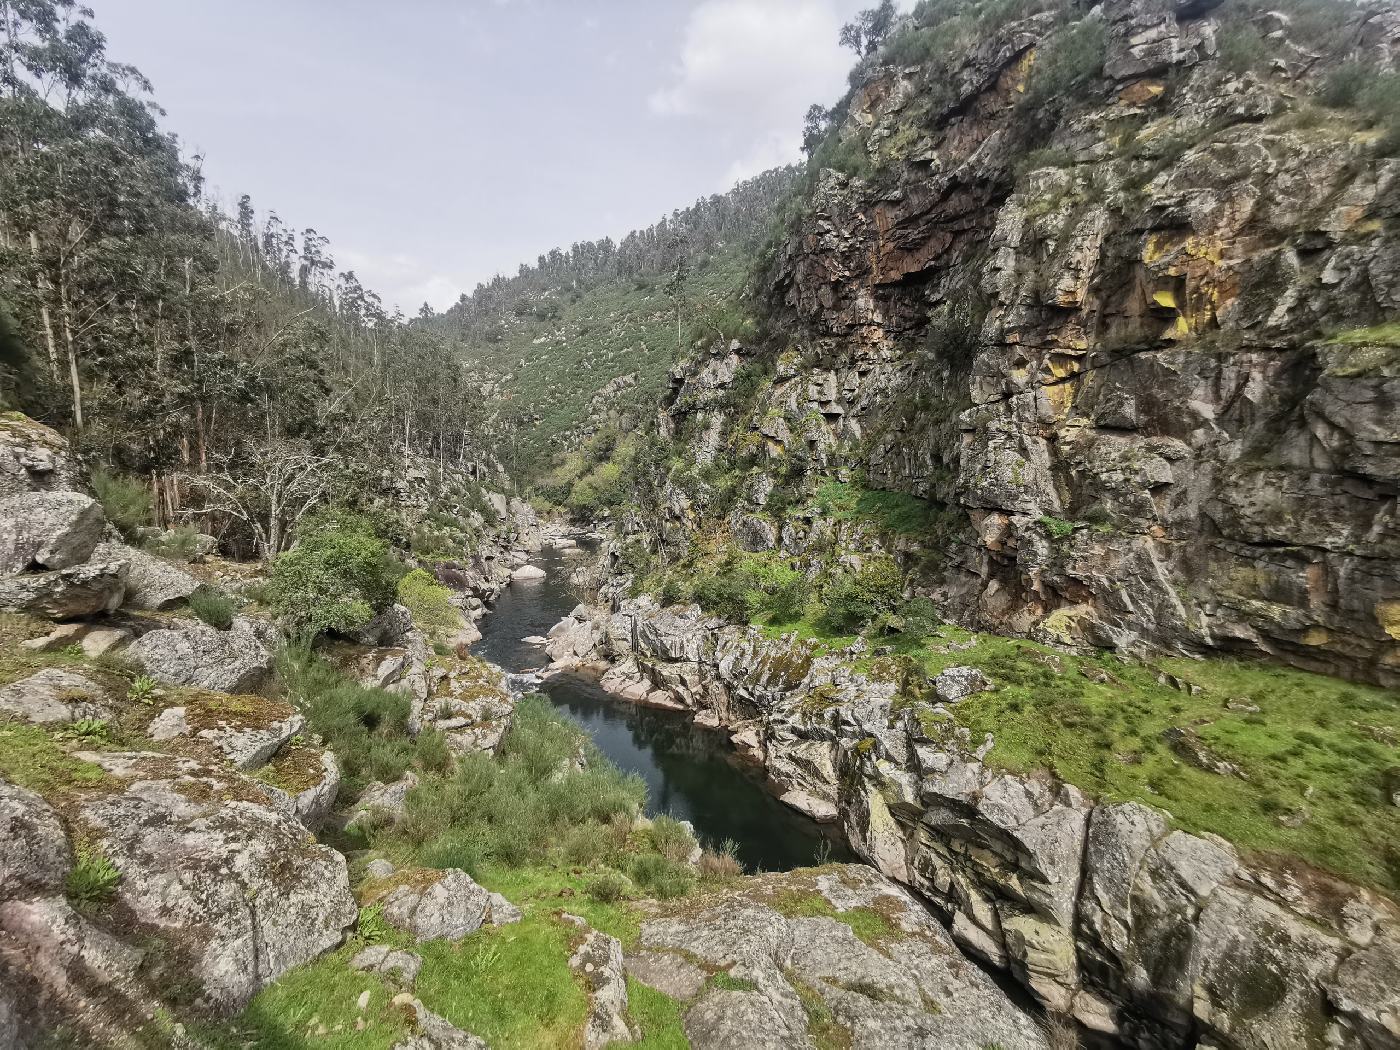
691, 773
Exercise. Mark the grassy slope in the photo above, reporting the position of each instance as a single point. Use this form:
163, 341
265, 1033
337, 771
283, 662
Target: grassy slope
1318, 748
557, 364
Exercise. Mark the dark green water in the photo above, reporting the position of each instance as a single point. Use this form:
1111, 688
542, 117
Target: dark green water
691, 773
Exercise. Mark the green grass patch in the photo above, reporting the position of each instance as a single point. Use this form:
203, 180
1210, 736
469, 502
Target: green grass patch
895, 513
1387, 334
511, 985
1315, 754
866, 923
288, 1014
658, 1016
92, 881
33, 759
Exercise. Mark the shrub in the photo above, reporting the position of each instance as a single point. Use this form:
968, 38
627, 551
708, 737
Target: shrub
1242, 48
336, 578
661, 876
721, 862
609, 887
1345, 84
178, 544
371, 926
1071, 58
366, 728
429, 602
125, 500
856, 598
94, 730
213, 606
670, 838
143, 689
92, 881
531, 803
745, 586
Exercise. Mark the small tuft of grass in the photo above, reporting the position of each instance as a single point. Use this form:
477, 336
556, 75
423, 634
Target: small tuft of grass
726, 981
92, 881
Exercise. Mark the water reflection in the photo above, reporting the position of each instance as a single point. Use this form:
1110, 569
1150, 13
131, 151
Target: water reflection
691, 773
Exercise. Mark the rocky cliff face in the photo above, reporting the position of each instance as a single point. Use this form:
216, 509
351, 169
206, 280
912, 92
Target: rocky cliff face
1104, 910
1127, 338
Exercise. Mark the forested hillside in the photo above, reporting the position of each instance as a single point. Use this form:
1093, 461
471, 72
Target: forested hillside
583, 340
220, 360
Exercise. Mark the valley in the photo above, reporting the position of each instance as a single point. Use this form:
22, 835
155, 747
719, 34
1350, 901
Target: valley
941, 593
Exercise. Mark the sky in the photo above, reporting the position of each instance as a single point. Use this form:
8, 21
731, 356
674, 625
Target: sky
437, 143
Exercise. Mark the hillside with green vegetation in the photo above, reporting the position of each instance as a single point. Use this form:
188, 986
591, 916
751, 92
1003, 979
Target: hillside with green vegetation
575, 358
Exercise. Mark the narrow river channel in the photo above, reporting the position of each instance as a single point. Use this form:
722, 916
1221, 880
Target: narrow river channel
690, 773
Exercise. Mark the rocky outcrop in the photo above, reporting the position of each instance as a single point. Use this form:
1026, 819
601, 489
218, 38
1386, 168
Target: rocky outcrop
432, 905
48, 530
1124, 340
82, 590
597, 963
844, 957
195, 654
233, 885
54, 695
151, 583
1102, 910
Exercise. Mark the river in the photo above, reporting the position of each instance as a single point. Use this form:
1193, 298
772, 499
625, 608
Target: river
691, 773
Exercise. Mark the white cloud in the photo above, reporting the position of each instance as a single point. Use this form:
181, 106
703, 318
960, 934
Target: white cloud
404, 281
755, 66
771, 151
743, 56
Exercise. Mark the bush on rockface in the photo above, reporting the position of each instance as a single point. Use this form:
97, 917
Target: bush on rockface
429, 602
854, 599
214, 607
743, 587
125, 500
339, 574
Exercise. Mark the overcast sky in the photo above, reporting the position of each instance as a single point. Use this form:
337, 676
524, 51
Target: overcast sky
437, 143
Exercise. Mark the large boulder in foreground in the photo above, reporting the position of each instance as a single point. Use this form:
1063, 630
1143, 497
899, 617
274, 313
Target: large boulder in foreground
235, 887
48, 530
846, 942
232, 661
63, 594
151, 583
35, 858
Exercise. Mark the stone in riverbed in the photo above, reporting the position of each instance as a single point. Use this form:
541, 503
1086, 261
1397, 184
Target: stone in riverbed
528, 572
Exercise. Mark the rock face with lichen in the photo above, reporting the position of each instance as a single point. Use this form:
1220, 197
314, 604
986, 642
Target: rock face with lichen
1129, 341
1104, 911
841, 958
